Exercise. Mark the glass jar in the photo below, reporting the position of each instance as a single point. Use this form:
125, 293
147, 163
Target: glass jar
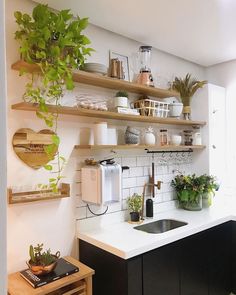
188, 137
197, 138
164, 137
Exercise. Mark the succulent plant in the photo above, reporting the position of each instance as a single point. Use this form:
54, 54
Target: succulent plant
122, 94
37, 257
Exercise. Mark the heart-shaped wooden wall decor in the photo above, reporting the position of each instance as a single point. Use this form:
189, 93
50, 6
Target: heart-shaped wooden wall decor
29, 146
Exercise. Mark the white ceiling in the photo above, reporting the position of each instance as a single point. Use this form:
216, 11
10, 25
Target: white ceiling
201, 31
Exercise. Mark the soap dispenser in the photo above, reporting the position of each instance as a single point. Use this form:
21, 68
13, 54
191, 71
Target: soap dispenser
149, 208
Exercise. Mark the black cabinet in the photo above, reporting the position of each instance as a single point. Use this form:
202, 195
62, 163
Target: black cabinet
234, 257
201, 264
161, 271
193, 266
219, 259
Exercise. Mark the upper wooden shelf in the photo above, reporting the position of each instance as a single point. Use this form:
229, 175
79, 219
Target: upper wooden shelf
142, 146
102, 81
75, 111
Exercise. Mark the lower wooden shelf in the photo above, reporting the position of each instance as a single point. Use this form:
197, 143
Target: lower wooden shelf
140, 146
39, 195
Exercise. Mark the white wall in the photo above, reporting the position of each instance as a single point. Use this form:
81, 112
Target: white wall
3, 154
225, 75
53, 222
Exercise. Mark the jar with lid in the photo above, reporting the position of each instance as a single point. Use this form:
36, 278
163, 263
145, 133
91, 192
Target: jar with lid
164, 137
197, 138
188, 137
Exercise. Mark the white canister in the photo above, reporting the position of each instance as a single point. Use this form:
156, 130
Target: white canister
100, 133
197, 138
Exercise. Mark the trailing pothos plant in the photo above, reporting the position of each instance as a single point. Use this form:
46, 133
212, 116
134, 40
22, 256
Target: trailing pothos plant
54, 41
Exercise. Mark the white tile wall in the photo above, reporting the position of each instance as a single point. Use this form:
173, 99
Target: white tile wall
133, 181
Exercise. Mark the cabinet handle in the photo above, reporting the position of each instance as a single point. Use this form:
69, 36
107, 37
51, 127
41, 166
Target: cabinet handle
213, 146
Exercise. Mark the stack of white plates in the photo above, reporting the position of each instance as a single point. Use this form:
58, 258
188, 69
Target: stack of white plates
95, 68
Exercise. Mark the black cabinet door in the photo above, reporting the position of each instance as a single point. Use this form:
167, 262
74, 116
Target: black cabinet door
193, 266
219, 259
234, 256
161, 271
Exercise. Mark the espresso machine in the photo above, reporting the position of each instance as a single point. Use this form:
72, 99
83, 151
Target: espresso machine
145, 76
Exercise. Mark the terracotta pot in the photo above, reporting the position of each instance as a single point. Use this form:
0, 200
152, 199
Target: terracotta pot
40, 270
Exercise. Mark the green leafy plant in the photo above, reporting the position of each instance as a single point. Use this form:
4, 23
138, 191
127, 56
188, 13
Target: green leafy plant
186, 87
40, 257
135, 203
122, 94
209, 183
188, 188
55, 43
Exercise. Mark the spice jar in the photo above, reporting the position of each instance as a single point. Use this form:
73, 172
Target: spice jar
163, 137
188, 137
197, 138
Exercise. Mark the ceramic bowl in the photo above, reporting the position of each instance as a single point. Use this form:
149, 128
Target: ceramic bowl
176, 139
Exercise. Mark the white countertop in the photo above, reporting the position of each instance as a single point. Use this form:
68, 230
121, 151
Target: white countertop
119, 238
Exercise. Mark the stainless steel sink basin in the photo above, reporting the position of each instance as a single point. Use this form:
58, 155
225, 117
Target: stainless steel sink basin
160, 226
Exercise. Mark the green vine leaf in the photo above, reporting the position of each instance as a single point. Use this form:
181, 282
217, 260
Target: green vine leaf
48, 167
56, 139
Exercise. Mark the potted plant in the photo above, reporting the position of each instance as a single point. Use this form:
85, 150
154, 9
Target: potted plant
189, 189
186, 87
53, 40
135, 205
121, 99
209, 187
42, 262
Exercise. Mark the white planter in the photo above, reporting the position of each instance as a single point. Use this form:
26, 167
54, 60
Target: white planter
176, 109
121, 101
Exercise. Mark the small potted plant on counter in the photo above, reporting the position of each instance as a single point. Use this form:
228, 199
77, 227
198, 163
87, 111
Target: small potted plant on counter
189, 189
209, 187
42, 262
135, 205
121, 99
186, 87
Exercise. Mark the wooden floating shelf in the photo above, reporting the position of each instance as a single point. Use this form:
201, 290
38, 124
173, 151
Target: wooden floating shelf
75, 111
149, 147
40, 195
102, 81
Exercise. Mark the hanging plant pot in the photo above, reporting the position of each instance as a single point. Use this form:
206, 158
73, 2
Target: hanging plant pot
134, 216
187, 112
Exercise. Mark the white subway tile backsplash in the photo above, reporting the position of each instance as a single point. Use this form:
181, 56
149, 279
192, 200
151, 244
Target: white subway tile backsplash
125, 193
129, 182
143, 161
136, 171
133, 181
129, 161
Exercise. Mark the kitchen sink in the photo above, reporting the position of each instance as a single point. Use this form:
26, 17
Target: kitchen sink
160, 226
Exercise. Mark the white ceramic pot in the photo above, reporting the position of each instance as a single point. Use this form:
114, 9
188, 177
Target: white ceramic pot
121, 101
176, 139
100, 133
176, 109
149, 138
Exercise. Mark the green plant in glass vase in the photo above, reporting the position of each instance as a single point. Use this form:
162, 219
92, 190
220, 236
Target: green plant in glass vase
55, 43
209, 187
189, 189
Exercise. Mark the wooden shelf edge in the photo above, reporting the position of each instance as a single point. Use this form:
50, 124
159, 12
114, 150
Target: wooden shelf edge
24, 197
150, 147
75, 111
102, 81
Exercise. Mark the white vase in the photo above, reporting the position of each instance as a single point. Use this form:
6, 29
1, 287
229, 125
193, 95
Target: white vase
149, 138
